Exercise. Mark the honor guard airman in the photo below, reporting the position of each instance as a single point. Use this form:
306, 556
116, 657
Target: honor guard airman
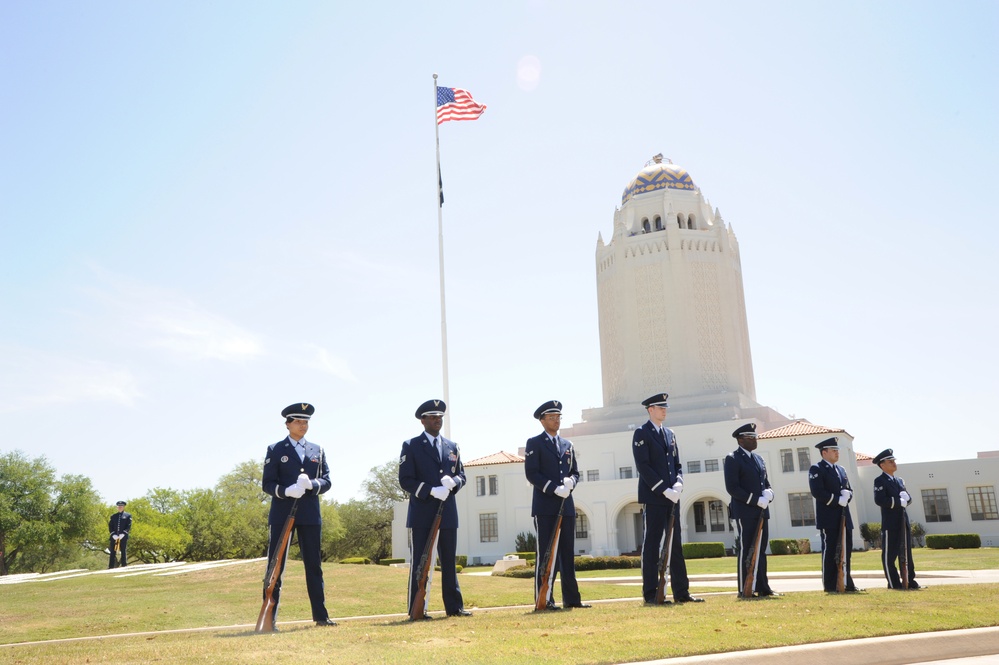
430, 469
119, 525
660, 483
896, 536
550, 466
296, 472
830, 486
747, 483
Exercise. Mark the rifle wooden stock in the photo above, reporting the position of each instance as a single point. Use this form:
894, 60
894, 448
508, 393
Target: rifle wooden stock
750, 562
664, 559
547, 566
841, 555
416, 610
117, 544
265, 622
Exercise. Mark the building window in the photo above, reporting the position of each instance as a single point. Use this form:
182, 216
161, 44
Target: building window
710, 465
786, 460
624, 472
488, 528
691, 222
982, 501
480, 485
659, 223
493, 485
645, 226
936, 505
679, 220
592, 475
700, 526
582, 525
802, 509
804, 460
716, 509
694, 467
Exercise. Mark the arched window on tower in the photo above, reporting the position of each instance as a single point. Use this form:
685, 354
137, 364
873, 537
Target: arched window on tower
659, 223
690, 222
645, 226
679, 220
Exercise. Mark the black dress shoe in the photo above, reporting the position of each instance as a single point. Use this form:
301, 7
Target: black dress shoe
326, 622
425, 617
579, 606
913, 586
655, 604
688, 599
460, 613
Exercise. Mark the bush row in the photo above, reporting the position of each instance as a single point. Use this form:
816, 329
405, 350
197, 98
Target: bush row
790, 546
957, 541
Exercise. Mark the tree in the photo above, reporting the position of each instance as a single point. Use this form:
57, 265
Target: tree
367, 524
382, 489
526, 542
158, 533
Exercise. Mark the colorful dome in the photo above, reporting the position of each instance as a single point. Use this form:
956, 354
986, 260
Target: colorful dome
655, 176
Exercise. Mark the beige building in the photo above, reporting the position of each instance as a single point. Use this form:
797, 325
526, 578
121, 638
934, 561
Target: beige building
672, 317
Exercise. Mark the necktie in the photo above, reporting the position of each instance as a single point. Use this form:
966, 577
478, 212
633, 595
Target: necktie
440, 448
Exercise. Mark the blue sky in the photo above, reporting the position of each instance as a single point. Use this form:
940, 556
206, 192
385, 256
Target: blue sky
209, 211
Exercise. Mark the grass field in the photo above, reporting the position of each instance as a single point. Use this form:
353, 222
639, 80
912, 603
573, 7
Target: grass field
102, 605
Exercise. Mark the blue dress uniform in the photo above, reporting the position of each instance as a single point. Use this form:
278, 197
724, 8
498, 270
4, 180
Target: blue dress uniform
119, 525
827, 482
895, 527
657, 460
421, 469
282, 468
745, 481
547, 460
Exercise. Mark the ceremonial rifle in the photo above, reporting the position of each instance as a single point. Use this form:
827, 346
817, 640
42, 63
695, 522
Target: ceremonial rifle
750, 562
903, 554
417, 609
547, 565
664, 559
841, 554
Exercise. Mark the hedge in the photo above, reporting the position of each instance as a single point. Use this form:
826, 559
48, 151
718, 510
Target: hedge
517, 571
780, 546
955, 541
529, 556
606, 562
356, 559
703, 550
457, 568
461, 560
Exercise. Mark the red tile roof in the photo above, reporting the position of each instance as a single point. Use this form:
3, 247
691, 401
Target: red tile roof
501, 457
799, 428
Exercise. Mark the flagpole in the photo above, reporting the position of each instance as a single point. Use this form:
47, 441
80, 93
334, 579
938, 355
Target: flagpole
440, 250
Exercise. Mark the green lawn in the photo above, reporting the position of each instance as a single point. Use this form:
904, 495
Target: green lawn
610, 632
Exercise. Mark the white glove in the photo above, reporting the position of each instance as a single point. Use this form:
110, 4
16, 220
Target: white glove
294, 491
440, 493
304, 482
847, 493
762, 502
769, 493
562, 491
448, 482
905, 496
671, 494
904, 503
678, 486
843, 500
569, 482
117, 536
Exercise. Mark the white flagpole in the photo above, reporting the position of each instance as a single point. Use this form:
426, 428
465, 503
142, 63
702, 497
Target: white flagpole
440, 250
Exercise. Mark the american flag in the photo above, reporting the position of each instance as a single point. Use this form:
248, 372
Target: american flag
457, 104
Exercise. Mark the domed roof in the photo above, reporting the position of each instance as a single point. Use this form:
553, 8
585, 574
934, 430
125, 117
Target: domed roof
658, 174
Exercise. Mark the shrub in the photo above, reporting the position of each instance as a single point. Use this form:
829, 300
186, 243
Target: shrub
526, 541
871, 533
804, 546
780, 546
356, 560
517, 571
607, 562
386, 562
457, 568
703, 550
956, 541
917, 531
461, 560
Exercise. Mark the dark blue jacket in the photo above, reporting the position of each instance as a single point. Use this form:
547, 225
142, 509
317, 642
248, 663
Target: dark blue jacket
826, 480
420, 470
120, 523
745, 480
282, 468
657, 460
886, 495
545, 468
